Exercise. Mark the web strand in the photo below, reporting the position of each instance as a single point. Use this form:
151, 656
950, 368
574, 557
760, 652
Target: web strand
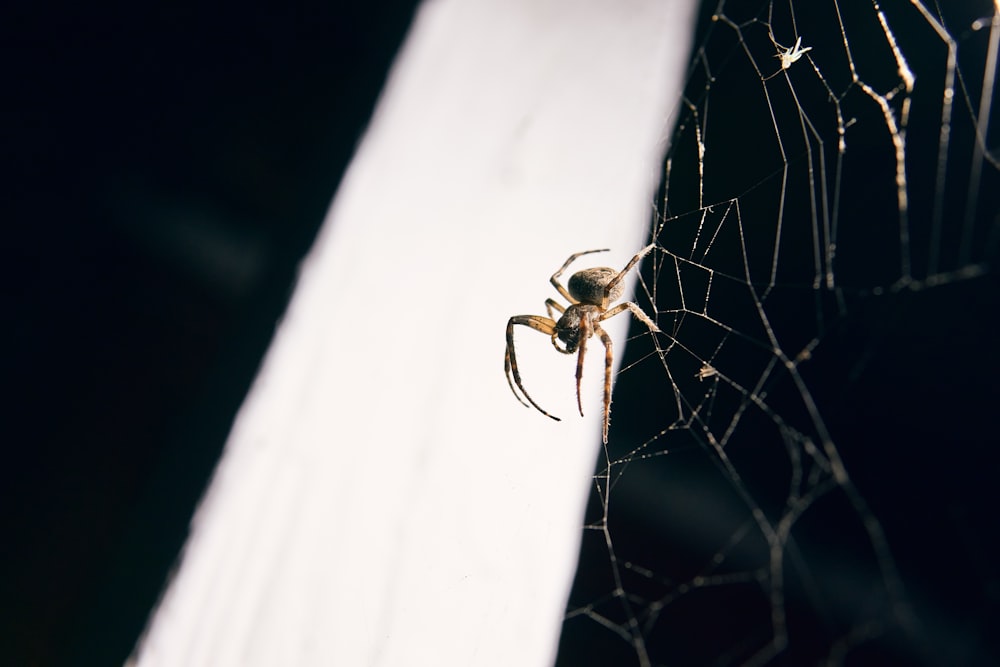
810, 234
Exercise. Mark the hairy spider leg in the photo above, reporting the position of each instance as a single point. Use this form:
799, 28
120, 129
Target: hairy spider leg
608, 358
589, 326
635, 310
609, 355
538, 323
613, 283
572, 258
585, 333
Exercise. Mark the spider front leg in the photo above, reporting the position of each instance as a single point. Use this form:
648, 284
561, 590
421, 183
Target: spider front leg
555, 276
612, 285
538, 323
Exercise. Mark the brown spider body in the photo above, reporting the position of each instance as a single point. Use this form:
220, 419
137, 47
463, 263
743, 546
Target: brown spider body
589, 293
588, 286
568, 326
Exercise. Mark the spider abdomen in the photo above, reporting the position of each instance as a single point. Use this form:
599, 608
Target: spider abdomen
588, 286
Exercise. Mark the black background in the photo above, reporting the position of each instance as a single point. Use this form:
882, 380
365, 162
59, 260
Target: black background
167, 168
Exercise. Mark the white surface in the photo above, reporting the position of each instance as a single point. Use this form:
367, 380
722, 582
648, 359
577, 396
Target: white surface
383, 498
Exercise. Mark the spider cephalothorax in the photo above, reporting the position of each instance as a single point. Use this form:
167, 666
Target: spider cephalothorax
589, 293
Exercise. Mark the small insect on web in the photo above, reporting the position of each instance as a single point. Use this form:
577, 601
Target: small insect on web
589, 292
792, 54
789, 56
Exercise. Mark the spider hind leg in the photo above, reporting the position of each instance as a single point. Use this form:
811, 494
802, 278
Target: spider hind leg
608, 361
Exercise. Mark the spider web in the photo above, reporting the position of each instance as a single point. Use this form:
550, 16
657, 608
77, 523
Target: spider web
799, 469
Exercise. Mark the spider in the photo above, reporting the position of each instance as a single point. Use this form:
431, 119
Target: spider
589, 293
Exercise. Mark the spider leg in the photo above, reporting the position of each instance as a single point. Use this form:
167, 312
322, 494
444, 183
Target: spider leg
538, 323
585, 333
608, 358
613, 283
635, 310
553, 307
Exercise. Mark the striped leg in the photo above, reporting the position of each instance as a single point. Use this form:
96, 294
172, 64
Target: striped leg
608, 358
538, 323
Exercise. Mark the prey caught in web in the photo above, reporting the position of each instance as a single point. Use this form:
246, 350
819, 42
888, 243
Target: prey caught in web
590, 292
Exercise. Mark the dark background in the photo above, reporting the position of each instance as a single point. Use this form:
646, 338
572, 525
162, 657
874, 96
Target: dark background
167, 168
